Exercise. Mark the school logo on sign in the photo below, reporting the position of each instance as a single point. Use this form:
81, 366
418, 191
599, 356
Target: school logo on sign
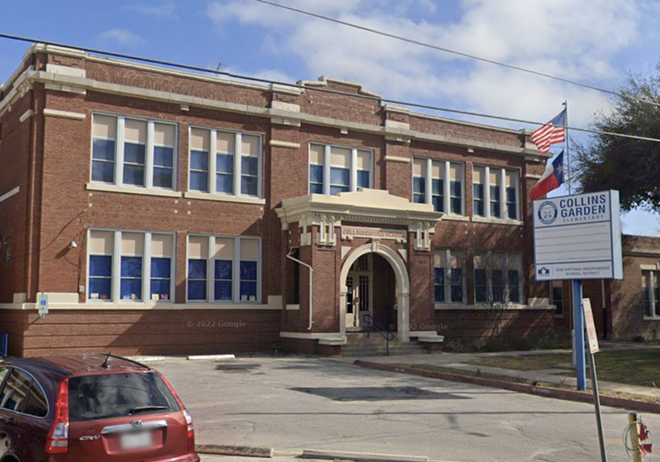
547, 213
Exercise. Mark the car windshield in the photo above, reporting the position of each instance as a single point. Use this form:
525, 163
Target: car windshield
113, 395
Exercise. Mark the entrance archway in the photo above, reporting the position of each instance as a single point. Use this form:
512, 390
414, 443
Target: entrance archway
402, 284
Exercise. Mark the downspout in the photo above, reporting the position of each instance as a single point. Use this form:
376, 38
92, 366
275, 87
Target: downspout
311, 274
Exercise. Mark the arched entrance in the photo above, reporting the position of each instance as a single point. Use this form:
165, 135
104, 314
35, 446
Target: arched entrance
361, 299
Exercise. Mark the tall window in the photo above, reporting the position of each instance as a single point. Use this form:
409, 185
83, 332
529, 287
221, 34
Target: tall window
133, 152
651, 294
439, 183
132, 252
233, 169
557, 297
449, 272
230, 272
335, 169
130, 266
495, 193
498, 277
478, 193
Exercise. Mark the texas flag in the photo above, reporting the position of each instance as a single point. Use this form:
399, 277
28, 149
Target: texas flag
551, 179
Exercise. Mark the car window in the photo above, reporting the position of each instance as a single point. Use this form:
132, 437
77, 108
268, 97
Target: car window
36, 403
112, 395
14, 393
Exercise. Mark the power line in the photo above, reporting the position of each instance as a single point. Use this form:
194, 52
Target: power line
454, 52
312, 88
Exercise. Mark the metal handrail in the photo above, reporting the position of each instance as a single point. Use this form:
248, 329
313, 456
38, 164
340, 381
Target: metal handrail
374, 326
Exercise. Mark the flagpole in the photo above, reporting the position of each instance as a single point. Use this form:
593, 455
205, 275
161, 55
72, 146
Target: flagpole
568, 155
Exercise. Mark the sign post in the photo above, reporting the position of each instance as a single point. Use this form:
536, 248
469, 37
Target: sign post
592, 338
578, 326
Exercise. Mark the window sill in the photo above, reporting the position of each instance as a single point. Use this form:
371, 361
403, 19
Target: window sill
497, 221
480, 307
129, 190
224, 198
452, 217
107, 305
293, 307
651, 318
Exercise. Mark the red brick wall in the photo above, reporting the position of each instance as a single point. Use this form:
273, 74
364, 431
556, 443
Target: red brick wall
143, 332
61, 172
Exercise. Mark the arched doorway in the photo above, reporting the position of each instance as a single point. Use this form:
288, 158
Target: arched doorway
358, 288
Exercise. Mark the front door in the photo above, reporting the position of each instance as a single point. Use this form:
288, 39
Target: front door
359, 294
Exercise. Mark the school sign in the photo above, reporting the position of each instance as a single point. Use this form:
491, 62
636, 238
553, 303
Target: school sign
578, 237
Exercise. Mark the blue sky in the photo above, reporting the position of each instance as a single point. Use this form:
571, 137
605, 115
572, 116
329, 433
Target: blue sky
596, 42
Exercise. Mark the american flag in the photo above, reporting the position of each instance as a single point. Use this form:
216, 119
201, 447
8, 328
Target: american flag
550, 133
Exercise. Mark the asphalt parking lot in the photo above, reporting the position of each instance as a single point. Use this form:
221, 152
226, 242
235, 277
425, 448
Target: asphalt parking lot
293, 403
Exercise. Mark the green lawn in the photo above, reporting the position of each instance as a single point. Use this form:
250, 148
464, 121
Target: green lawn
641, 367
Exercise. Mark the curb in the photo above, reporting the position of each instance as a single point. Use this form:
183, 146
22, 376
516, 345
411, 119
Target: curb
546, 392
194, 357
225, 450
361, 456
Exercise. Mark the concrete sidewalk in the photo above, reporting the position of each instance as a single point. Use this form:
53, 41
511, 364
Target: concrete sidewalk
557, 376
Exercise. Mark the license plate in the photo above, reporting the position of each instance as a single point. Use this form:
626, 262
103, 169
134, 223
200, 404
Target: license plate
131, 441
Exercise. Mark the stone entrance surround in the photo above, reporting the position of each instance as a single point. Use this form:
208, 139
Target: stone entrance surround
321, 225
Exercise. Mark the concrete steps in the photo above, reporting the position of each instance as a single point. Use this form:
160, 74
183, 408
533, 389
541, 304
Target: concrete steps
373, 344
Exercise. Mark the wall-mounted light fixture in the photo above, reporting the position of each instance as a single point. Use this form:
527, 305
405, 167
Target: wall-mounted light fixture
73, 245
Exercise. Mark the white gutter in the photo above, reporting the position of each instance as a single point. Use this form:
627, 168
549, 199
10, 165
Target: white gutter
311, 274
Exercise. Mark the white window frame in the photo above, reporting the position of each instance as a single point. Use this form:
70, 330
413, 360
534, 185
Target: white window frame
238, 167
115, 296
648, 275
448, 253
148, 153
489, 276
502, 187
236, 276
446, 183
327, 149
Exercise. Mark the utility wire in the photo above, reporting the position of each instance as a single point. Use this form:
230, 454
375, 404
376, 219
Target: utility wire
454, 52
313, 88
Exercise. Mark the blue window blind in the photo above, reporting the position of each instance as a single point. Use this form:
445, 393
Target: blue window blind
495, 201
103, 160
316, 179
514, 286
456, 197
100, 277
131, 278
199, 171
498, 285
481, 285
250, 176
223, 280
456, 285
197, 279
134, 163
163, 167
437, 194
419, 190
224, 180
248, 281
439, 284
478, 199
511, 203
161, 278
363, 179
340, 180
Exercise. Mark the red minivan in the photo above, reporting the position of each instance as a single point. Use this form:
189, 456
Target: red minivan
99, 408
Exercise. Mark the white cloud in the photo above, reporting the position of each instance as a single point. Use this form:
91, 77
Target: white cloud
568, 38
161, 10
122, 37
